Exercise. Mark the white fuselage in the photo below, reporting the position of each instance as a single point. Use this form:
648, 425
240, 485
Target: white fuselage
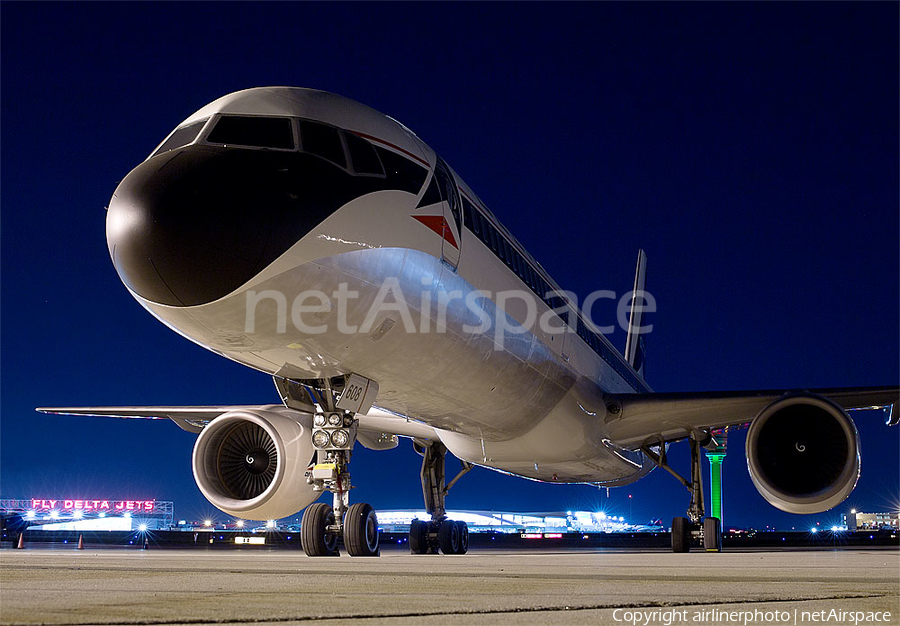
530, 403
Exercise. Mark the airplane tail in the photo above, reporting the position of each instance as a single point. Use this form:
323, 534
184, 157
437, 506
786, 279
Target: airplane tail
634, 344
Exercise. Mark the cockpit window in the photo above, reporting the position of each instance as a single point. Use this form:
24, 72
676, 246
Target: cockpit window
363, 156
181, 137
323, 141
258, 132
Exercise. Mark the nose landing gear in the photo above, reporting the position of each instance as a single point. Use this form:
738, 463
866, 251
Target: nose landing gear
333, 435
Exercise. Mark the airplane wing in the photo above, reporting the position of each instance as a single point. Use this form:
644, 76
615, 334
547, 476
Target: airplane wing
636, 419
376, 428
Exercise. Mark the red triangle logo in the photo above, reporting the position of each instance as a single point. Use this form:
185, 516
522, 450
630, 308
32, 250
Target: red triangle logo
438, 224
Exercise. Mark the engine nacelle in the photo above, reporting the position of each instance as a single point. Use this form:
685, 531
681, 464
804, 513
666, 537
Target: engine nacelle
803, 454
252, 464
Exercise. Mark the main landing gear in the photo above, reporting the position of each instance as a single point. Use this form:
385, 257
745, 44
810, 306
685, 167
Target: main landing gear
685, 530
438, 533
333, 435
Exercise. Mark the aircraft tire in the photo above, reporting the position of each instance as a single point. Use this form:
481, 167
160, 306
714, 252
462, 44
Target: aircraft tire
313, 537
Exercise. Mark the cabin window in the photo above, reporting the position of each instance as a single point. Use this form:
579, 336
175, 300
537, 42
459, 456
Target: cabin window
256, 132
323, 141
181, 137
363, 156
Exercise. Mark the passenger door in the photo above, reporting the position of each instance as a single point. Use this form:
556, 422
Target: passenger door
452, 208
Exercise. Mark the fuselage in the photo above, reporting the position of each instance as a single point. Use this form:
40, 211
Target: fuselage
252, 226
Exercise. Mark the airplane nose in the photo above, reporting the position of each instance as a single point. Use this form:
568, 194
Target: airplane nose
190, 226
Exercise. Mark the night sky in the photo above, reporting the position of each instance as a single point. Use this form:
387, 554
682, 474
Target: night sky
750, 149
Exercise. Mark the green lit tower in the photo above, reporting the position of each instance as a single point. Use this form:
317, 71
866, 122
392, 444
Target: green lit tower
716, 453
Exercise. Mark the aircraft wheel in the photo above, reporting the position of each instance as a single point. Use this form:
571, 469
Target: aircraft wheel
313, 537
448, 537
463, 537
712, 534
681, 534
361, 530
418, 537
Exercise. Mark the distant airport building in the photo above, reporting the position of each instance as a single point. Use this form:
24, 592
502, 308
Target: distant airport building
507, 522
90, 514
857, 520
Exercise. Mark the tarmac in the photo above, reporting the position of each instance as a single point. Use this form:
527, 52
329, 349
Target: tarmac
603, 586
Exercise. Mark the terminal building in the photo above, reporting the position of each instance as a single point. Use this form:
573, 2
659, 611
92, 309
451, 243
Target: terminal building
857, 520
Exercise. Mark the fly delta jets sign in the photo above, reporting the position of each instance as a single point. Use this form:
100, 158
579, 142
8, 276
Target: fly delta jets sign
147, 506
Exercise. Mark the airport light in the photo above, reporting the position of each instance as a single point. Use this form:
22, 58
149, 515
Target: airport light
142, 527
127, 516
852, 511
54, 514
270, 524
834, 529
29, 515
239, 523
814, 530
207, 523
102, 514
78, 514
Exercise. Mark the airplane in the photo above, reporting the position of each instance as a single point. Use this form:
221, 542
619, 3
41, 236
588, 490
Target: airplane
312, 238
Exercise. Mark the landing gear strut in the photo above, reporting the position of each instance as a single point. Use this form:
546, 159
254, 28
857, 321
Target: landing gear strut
684, 529
333, 435
438, 533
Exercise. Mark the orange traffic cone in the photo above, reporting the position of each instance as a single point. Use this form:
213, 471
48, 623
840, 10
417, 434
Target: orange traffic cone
81, 542
21, 545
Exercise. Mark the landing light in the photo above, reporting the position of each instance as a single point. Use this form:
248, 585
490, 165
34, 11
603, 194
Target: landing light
340, 438
320, 439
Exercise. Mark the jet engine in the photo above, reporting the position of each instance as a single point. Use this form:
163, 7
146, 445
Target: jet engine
252, 464
803, 453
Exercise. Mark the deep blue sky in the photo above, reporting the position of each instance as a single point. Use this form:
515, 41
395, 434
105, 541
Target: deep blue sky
750, 149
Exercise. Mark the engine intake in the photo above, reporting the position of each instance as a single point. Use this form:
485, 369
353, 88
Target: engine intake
803, 454
252, 464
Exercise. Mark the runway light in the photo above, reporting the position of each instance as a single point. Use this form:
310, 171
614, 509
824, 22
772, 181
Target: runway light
142, 527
